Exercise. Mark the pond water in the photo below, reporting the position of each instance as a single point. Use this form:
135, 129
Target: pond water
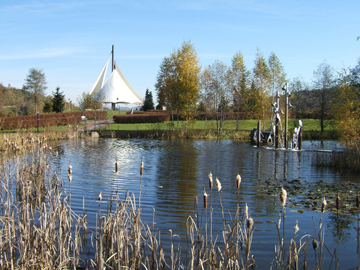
176, 171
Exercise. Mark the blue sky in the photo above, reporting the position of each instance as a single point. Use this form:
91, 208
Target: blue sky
71, 40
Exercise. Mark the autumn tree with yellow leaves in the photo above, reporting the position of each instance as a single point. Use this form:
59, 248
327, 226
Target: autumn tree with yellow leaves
177, 81
347, 109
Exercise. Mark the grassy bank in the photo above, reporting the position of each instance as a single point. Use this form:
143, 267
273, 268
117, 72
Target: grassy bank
208, 130
244, 125
199, 129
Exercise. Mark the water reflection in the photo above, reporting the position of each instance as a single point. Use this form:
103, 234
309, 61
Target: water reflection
176, 172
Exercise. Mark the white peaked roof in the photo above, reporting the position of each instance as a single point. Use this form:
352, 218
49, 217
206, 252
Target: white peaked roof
100, 80
116, 89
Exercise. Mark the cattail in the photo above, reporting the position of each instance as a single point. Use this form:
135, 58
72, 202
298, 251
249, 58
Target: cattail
100, 197
338, 202
246, 211
283, 196
205, 199
70, 169
296, 228
238, 181
249, 223
315, 244
210, 180
279, 223
141, 167
218, 185
70, 177
323, 205
116, 167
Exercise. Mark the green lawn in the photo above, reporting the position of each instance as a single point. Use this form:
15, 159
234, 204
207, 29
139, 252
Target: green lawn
308, 125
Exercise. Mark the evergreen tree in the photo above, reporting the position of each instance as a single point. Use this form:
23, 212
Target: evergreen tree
58, 101
148, 102
47, 106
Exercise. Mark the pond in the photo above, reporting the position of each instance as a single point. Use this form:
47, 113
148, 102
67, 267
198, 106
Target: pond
176, 171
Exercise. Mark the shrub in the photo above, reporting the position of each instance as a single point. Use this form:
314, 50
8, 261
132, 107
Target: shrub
46, 120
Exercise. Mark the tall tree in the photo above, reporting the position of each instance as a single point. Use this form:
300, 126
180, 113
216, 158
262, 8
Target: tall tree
217, 90
2, 91
58, 101
254, 100
261, 77
188, 80
239, 77
165, 84
323, 83
347, 110
35, 83
177, 81
300, 96
148, 101
277, 75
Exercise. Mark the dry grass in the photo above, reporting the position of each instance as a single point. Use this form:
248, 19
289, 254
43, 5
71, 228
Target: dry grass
24, 140
348, 160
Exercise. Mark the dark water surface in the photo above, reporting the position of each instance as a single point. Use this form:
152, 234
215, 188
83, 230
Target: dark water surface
176, 171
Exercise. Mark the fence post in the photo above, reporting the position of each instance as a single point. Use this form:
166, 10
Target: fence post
258, 134
37, 121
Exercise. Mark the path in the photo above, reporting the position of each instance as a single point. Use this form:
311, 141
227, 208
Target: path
90, 125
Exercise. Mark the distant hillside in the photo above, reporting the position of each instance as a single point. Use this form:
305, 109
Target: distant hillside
16, 102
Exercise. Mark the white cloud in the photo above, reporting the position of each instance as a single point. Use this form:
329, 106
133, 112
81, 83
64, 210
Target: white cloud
43, 53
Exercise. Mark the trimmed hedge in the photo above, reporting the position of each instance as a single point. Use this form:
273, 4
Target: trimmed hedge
207, 115
46, 120
141, 118
158, 116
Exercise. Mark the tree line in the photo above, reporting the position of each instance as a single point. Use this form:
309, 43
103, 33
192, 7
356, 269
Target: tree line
183, 86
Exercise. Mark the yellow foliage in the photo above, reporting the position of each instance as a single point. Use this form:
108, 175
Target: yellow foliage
347, 112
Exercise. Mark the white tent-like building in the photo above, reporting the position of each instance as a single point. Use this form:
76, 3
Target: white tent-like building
116, 89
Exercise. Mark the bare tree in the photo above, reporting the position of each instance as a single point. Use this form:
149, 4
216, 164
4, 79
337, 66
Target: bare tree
217, 90
35, 83
324, 81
